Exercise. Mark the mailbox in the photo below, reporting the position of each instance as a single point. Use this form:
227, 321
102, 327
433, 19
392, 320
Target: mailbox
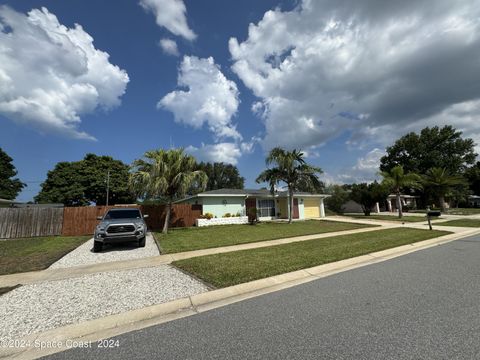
434, 213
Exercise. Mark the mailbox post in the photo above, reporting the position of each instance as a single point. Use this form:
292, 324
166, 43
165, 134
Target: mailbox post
432, 214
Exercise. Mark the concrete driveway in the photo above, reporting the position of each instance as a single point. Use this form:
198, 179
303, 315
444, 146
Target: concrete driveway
84, 255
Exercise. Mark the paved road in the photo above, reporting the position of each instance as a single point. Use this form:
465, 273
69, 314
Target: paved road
424, 305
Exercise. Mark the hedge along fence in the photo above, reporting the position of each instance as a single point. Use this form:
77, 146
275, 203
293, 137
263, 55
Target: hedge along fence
29, 222
83, 220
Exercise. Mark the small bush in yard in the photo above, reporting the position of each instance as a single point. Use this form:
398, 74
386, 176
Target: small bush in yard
227, 215
252, 216
207, 216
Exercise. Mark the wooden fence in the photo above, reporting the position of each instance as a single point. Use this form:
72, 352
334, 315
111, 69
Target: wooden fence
28, 222
82, 220
75, 221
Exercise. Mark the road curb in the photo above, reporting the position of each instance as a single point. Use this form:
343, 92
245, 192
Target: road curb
114, 325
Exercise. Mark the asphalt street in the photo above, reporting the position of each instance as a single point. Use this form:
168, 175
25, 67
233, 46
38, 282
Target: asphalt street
425, 305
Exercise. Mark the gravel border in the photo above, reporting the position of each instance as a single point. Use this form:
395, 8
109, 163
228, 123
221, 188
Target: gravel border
42, 306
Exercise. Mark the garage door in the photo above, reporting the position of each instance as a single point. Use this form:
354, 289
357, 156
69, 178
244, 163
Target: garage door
312, 208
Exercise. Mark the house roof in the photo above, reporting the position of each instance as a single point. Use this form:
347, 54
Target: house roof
5, 201
249, 193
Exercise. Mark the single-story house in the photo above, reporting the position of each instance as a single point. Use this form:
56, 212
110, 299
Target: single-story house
6, 203
407, 200
474, 200
239, 201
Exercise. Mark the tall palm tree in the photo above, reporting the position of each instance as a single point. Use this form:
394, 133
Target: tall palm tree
396, 179
167, 174
290, 168
440, 182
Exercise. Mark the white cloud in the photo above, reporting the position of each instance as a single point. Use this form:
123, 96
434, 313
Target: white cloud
170, 14
365, 170
50, 75
367, 67
169, 47
210, 98
222, 152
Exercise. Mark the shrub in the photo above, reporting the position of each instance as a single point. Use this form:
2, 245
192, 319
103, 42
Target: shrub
227, 215
207, 216
252, 215
238, 214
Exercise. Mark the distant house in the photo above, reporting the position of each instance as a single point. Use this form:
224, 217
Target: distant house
409, 201
6, 203
239, 201
474, 200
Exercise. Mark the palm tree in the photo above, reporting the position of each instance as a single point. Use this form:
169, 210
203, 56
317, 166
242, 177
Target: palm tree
291, 169
167, 174
396, 179
440, 182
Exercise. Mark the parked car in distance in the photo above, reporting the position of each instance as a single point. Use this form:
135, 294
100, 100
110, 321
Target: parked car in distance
119, 226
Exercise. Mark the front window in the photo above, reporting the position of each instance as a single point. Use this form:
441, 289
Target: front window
123, 214
266, 208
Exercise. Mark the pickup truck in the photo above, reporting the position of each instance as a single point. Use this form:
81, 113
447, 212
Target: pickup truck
118, 226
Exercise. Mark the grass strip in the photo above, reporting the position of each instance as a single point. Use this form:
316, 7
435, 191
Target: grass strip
237, 267
461, 223
390, 218
187, 239
38, 253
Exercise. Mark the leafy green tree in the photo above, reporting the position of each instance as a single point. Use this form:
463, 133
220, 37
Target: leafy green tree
221, 176
63, 185
95, 170
367, 195
473, 176
433, 147
167, 174
339, 195
290, 168
440, 182
10, 186
396, 179
83, 182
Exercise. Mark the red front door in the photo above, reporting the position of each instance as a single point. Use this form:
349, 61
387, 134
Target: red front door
296, 215
250, 203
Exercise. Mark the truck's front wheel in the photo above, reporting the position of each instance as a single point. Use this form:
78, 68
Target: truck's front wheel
141, 242
97, 246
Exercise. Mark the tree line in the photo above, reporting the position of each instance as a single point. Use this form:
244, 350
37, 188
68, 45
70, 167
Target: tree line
434, 165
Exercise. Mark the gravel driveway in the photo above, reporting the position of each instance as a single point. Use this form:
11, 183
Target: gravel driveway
50, 304
84, 255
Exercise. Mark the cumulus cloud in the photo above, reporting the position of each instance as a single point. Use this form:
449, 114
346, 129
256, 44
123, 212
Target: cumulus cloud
365, 170
50, 75
171, 14
209, 98
222, 152
169, 47
367, 67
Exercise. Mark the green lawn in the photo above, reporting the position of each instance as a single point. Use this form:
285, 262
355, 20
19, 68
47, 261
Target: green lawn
461, 223
242, 266
30, 254
186, 239
463, 211
390, 218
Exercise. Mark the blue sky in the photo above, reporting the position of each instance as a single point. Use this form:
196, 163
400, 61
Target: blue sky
313, 82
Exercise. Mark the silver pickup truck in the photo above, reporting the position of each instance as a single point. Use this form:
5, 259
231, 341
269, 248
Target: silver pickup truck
118, 226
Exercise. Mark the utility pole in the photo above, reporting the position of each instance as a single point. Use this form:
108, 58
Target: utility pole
108, 185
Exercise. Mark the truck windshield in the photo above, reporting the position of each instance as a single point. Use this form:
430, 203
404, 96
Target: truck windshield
123, 214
